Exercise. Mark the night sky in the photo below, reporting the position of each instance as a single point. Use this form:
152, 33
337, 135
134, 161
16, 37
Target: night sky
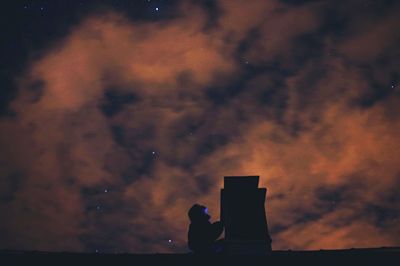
117, 116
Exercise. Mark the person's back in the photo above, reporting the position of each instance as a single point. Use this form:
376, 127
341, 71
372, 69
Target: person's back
202, 234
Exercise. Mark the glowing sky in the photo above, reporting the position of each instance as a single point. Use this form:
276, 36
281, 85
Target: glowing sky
118, 123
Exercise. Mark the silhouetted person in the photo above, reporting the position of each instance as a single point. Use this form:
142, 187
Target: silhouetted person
202, 234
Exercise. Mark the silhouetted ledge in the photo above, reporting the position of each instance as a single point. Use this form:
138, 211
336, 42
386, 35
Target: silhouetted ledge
370, 256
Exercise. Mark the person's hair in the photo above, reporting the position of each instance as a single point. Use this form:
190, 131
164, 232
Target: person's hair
196, 212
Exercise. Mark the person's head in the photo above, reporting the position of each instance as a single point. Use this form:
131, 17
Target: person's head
198, 213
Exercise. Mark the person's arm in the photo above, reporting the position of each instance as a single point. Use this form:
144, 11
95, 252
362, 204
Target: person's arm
217, 229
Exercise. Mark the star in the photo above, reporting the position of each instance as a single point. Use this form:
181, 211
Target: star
157, 8
105, 191
169, 241
153, 152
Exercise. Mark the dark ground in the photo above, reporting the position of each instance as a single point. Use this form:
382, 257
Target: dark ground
372, 256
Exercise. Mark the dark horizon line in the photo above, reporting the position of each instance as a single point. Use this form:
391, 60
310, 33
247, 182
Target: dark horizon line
384, 248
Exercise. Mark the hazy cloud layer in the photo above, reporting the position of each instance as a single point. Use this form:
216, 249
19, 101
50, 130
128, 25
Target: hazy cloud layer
121, 126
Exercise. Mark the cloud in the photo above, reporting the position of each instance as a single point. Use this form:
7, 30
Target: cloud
121, 126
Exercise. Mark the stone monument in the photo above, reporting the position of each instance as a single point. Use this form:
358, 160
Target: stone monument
244, 217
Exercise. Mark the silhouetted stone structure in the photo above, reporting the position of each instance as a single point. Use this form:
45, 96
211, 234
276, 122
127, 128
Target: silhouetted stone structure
244, 217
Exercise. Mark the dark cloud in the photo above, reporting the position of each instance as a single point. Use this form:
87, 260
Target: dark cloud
9, 186
114, 101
